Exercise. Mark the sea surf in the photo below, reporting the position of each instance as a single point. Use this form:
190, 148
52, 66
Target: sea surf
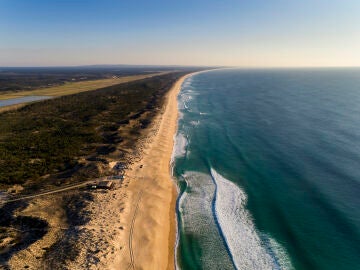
265, 162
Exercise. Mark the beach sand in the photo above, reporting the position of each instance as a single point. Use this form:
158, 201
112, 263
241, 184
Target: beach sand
151, 227
134, 227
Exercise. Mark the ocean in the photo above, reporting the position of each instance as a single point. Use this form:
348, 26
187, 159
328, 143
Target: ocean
268, 168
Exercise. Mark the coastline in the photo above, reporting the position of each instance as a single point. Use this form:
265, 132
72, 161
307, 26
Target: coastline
135, 227
152, 234
132, 226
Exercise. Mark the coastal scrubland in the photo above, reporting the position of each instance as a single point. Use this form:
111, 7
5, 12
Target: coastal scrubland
22, 79
60, 140
68, 88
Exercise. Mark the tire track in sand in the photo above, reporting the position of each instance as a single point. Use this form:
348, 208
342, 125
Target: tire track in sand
132, 261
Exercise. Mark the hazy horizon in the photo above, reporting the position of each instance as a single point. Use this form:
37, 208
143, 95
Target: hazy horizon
184, 66
246, 34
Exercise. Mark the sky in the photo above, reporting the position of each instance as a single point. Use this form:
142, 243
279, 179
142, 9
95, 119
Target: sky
245, 33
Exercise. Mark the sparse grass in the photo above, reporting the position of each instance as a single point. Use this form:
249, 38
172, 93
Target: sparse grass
74, 87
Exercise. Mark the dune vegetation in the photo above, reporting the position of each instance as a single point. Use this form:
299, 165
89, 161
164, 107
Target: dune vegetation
62, 140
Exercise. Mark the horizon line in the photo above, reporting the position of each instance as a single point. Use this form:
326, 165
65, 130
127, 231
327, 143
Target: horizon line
174, 65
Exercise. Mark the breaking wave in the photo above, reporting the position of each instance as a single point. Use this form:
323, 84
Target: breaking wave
197, 221
215, 231
247, 249
180, 145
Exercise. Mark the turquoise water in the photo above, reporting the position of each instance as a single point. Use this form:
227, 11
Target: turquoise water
268, 165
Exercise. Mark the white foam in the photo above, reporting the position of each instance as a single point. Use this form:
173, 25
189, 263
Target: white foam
195, 123
188, 81
244, 243
278, 252
180, 144
195, 207
183, 100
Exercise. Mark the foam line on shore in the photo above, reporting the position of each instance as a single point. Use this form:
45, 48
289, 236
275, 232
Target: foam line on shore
180, 146
197, 220
180, 143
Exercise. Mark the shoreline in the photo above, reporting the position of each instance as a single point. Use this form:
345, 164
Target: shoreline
135, 226
173, 177
160, 196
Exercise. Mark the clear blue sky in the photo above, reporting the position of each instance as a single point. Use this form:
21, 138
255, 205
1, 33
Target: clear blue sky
197, 32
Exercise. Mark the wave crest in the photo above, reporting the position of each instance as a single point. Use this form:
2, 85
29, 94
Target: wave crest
243, 241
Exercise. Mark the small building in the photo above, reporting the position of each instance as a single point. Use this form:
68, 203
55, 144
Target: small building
102, 185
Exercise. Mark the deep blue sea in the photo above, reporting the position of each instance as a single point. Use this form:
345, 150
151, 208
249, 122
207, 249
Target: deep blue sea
268, 168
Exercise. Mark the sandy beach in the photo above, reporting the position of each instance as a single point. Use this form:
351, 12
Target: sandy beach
134, 227
151, 228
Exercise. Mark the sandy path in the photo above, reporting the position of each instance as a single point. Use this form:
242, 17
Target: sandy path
53, 191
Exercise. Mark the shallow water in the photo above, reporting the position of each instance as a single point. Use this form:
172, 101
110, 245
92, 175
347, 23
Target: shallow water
267, 162
14, 101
